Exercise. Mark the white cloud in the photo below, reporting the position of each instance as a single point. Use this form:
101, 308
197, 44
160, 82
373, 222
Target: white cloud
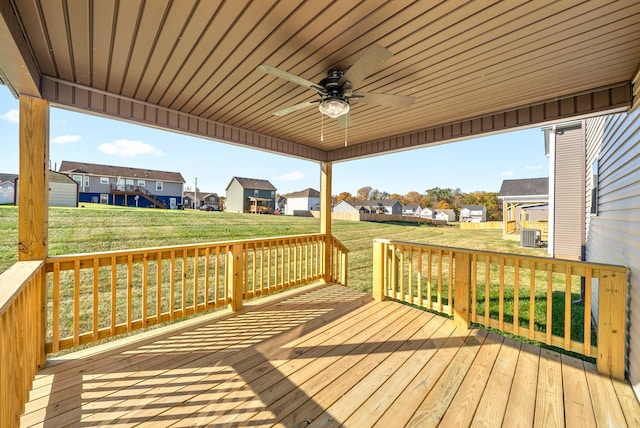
129, 148
291, 176
506, 174
63, 139
533, 167
12, 115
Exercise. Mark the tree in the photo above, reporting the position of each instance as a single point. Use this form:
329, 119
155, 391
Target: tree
343, 196
412, 198
364, 193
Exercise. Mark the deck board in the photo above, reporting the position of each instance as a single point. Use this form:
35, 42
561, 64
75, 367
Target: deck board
323, 356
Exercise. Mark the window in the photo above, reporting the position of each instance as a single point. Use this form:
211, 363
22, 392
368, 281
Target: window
104, 198
104, 180
594, 188
273, 193
77, 178
256, 192
86, 181
141, 183
159, 186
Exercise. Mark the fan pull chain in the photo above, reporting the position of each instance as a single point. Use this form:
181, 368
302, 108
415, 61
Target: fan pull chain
346, 125
322, 128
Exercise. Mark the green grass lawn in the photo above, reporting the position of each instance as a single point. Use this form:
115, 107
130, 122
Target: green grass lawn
104, 228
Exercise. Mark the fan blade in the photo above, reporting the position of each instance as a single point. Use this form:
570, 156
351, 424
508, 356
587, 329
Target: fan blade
401, 101
295, 107
370, 62
274, 71
344, 120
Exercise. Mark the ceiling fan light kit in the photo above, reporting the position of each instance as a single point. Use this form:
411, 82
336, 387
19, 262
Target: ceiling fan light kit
334, 107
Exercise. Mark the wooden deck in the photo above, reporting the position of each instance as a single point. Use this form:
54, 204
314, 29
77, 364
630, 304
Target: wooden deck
324, 356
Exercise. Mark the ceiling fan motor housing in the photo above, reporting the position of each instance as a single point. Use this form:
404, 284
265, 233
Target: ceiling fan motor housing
332, 84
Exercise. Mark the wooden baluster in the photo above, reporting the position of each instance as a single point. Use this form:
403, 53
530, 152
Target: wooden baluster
501, 296
145, 297
587, 311
549, 320
462, 281
516, 296
567, 308
129, 291
159, 288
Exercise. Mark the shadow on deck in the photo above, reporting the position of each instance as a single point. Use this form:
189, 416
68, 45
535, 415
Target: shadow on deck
324, 356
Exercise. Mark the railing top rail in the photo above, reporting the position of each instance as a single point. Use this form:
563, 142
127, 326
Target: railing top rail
81, 256
14, 279
506, 255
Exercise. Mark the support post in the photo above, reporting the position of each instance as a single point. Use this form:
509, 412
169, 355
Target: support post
505, 219
325, 217
378, 269
33, 200
33, 181
462, 285
612, 316
234, 276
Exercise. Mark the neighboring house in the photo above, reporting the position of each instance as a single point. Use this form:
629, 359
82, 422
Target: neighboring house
246, 195
473, 213
203, 198
345, 207
304, 200
428, 213
125, 186
447, 215
610, 211
520, 193
413, 210
8, 189
387, 206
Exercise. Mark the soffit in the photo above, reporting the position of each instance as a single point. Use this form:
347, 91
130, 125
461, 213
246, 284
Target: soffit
463, 61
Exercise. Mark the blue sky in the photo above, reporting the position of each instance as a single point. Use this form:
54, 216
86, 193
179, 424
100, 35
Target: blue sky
476, 164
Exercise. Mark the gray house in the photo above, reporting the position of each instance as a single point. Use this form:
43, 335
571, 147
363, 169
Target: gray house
520, 201
253, 195
125, 186
302, 201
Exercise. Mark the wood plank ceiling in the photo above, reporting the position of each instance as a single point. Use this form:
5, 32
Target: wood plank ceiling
190, 65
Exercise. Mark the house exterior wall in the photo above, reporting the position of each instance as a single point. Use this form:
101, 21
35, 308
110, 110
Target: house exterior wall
90, 190
238, 197
568, 215
235, 197
63, 194
344, 207
613, 234
301, 204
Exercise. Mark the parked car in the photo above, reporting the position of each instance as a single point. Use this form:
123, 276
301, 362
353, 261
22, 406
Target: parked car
207, 208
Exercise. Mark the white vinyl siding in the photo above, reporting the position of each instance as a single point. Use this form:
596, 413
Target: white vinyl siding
613, 236
569, 169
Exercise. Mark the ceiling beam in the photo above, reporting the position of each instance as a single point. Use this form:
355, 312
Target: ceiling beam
18, 69
82, 98
609, 99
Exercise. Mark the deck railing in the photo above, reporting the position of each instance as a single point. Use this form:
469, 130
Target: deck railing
21, 337
527, 296
100, 295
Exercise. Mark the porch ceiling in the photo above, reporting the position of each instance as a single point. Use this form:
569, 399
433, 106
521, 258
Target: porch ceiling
190, 66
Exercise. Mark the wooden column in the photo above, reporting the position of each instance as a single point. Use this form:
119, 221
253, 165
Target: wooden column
33, 201
462, 286
505, 219
234, 276
379, 260
612, 317
33, 184
325, 217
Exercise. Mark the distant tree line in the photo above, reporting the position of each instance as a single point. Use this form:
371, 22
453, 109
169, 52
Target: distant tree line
435, 198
